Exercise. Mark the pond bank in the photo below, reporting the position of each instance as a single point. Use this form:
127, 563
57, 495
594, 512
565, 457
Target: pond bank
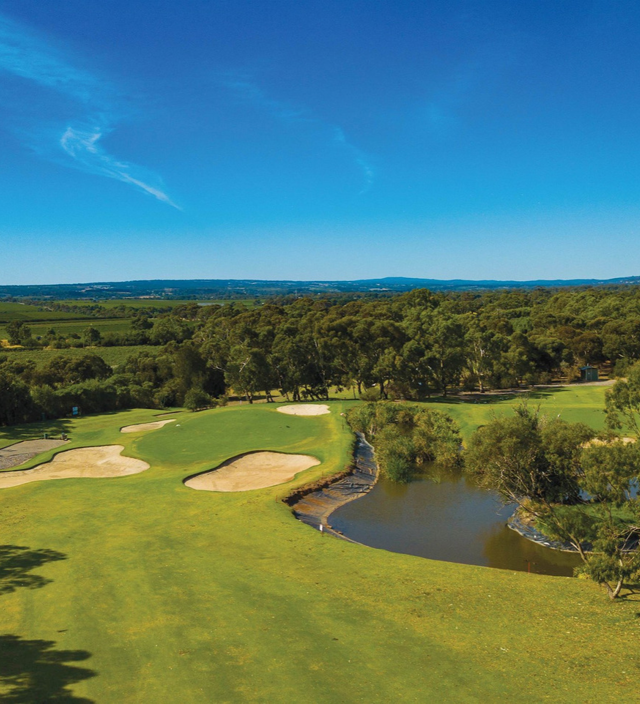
535, 536
315, 507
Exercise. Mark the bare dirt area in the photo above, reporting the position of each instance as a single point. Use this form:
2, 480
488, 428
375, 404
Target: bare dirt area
305, 409
598, 441
15, 455
154, 425
90, 462
255, 470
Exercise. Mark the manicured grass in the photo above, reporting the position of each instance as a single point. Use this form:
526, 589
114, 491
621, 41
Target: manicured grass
583, 404
175, 595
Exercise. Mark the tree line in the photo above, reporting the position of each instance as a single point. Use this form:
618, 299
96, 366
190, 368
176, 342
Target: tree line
408, 346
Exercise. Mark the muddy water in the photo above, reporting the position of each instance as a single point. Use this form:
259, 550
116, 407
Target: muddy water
444, 516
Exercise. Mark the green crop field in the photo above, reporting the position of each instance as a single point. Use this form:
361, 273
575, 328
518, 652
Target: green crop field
152, 302
153, 592
66, 327
113, 356
26, 312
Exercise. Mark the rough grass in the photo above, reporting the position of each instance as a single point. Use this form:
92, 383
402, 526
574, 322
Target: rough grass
167, 594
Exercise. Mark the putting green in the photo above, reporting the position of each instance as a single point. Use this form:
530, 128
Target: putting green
142, 590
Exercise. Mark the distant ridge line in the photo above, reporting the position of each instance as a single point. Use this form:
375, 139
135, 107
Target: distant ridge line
225, 288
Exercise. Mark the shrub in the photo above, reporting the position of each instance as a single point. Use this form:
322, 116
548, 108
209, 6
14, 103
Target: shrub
197, 399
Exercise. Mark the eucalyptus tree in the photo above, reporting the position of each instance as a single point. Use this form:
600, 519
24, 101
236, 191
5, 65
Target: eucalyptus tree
576, 491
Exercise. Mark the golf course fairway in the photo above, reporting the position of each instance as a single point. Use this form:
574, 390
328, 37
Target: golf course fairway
139, 589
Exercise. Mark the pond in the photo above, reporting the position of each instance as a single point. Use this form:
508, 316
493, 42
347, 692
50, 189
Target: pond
444, 516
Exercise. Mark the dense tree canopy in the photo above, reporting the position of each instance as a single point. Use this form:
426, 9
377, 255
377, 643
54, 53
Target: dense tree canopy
576, 490
407, 346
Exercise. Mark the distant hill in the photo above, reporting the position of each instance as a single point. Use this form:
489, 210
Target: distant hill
243, 288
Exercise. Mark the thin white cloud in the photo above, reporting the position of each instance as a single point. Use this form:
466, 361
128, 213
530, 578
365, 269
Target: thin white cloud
82, 145
288, 113
24, 54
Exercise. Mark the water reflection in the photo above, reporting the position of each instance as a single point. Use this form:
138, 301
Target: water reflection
444, 516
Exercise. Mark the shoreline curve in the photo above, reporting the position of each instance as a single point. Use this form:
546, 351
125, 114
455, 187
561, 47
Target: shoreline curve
315, 505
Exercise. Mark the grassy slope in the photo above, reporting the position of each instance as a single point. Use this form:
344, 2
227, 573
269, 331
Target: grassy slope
192, 596
574, 404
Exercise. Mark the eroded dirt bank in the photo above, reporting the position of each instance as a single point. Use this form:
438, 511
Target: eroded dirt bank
316, 506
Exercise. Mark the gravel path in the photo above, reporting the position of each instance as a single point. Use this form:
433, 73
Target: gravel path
15, 455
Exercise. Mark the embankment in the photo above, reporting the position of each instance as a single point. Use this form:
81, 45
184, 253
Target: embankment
315, 503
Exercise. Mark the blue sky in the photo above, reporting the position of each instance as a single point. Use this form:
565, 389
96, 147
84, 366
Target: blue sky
318, 140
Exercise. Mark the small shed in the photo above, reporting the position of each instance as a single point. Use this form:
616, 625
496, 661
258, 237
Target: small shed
588, 373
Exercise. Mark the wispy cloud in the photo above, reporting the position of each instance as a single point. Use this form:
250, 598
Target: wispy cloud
26, 55
251, 93
359, 156
288, 113
82, 145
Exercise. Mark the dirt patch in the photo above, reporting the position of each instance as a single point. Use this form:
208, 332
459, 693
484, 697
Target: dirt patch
305, 409
598, 441
90, 462
15, 455
145, 426
255, 470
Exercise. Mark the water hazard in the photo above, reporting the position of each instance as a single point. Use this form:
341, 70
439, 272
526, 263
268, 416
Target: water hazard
445, 517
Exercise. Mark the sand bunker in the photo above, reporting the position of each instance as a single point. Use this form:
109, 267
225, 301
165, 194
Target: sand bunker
305, 409
256, 470
20, 452
145, 426
91, 462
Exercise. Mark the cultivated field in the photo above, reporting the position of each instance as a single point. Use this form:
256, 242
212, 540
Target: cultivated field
140, 589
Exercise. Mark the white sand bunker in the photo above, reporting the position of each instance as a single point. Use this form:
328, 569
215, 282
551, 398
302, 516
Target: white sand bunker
91, 462
256, 470
305, 409
20, 452
146, 426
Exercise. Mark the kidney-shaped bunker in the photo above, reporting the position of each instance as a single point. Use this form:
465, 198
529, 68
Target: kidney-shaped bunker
255, 470
93, 462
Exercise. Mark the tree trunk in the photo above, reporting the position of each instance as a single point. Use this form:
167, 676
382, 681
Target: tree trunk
614, 593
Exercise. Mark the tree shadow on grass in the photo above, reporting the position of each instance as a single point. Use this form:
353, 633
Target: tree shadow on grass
32, 671
16, 563
34, 431
631, 592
